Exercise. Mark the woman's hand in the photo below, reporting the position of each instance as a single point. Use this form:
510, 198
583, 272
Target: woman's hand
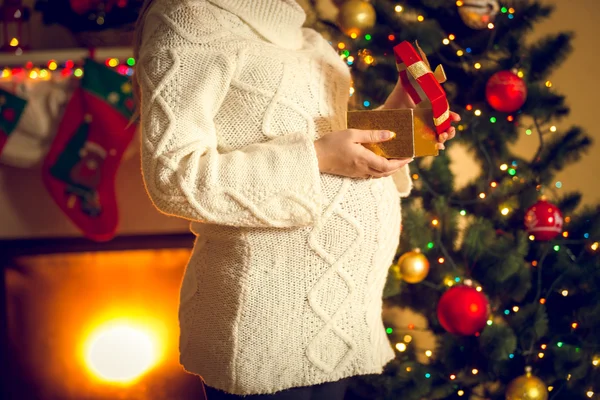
399, 98
341, 153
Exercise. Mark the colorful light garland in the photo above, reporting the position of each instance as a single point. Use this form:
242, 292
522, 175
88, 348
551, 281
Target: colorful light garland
51, 68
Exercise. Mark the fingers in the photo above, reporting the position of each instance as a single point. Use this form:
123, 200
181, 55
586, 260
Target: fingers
371, 136
379, 167
454, 117
450, 134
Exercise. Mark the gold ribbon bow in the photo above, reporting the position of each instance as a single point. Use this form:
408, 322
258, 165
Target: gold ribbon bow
421, 68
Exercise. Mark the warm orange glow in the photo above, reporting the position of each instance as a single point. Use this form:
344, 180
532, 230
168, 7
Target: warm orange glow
121, 352
99, 300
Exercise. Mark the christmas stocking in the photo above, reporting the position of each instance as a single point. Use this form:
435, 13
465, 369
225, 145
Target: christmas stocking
11, 108
80, 168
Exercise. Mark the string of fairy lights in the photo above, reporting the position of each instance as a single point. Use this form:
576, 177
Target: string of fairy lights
69, 68
470, 62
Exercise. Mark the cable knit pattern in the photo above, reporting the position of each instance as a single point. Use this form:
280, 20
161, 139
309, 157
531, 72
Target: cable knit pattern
284, 284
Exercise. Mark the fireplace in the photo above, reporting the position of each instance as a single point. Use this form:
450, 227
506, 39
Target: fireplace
82, 320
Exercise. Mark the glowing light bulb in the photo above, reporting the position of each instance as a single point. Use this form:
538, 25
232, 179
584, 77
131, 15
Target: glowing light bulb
120, 353
505, 211
477, 65
482, 195
543, 347
407, 338
460, 392
553, 128
590, 394
595, 246
398, 8
515, 308
420, 18
441, 260
460, 53
574, 325
503, 167
401, 347
451, 37
475, 371
14, 42
490, 26
548, 84
565, 293
452, 377
435, 222
541, 355
446, 41
428, 353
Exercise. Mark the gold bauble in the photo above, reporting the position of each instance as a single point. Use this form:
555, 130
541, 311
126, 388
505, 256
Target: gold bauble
356, 17
413, 266
527, 387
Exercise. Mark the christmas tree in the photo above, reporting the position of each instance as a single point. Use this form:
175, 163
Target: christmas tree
495, 290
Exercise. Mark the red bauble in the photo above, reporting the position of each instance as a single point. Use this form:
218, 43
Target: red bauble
506, 92
462, 310
544, 220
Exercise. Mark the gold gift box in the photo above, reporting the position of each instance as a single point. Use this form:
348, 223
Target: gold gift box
415, 132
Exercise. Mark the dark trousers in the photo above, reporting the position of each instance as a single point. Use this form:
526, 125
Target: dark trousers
324, 391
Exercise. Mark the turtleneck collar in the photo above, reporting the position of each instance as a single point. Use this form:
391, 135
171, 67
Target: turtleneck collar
279, 21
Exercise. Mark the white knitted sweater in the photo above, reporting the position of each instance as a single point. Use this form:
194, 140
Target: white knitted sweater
284, 284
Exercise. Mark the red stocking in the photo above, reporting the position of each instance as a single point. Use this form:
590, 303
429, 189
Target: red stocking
80, 168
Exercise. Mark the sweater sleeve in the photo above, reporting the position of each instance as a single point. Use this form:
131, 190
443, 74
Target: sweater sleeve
275, 183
